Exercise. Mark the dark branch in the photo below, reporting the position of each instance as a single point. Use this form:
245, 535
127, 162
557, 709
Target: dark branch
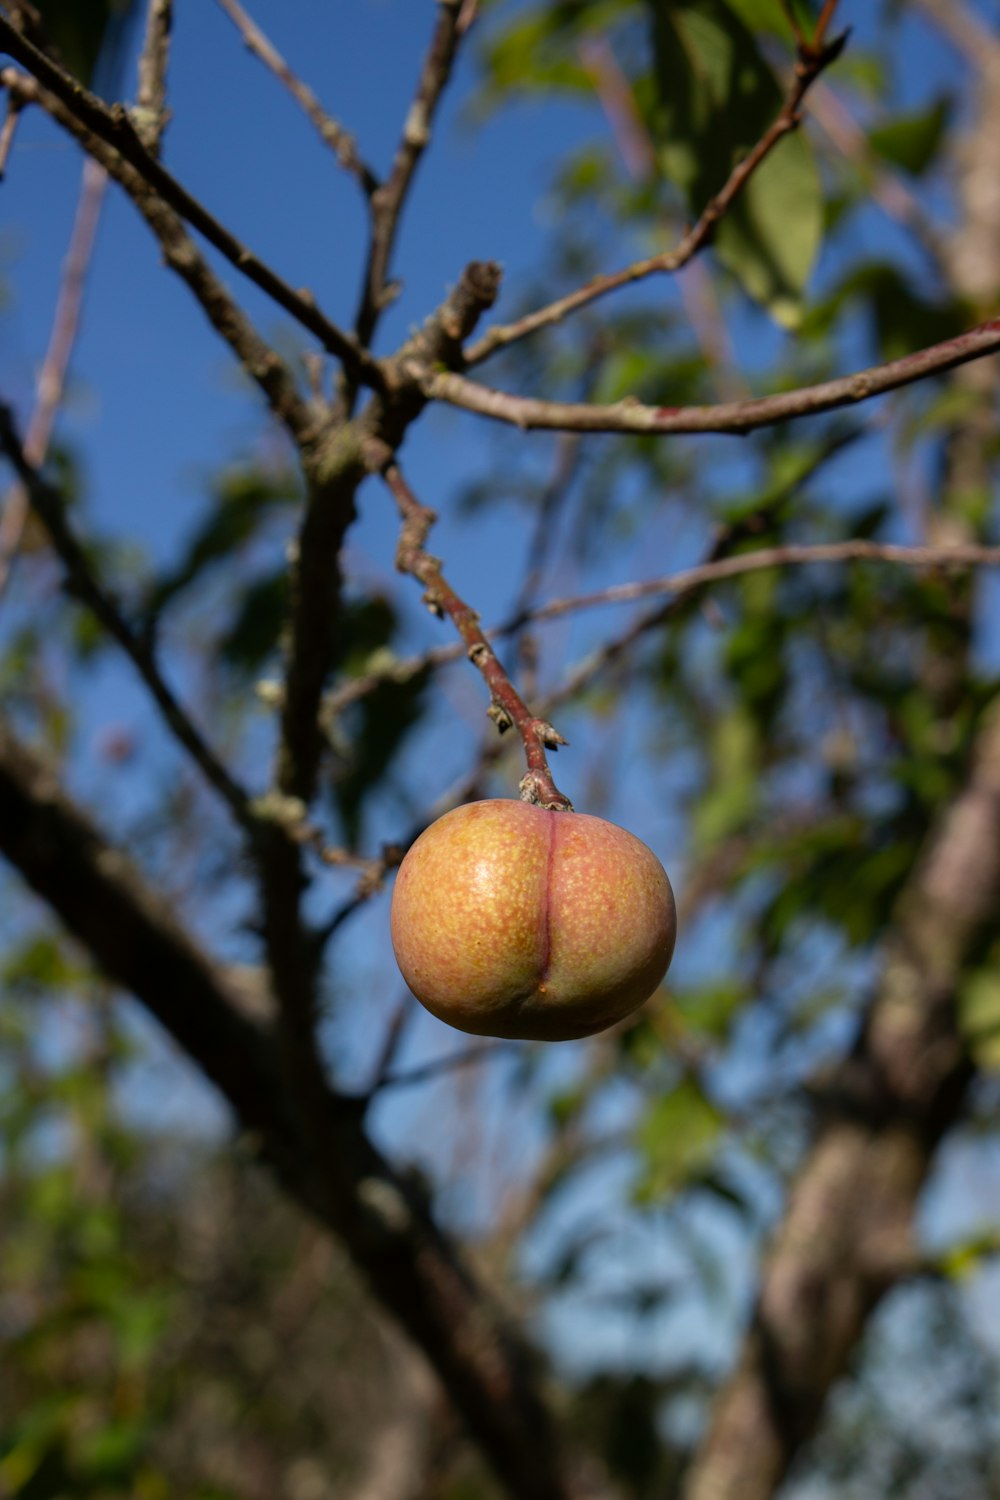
114, 127
181, 253
333, 134
84, 586
388, 200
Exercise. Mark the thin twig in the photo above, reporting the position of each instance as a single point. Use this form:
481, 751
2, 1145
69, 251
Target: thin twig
448, 1064
387, 203
788, 11
180, 252
83, 585
340, 141
507, 707
52, 376
8, 131
638, 152
150, 115
679, 585
735, 417
391, 1042
788, 555
818, 41
115, 128
808, 68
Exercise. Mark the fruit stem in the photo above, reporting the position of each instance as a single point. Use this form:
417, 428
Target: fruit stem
507, 708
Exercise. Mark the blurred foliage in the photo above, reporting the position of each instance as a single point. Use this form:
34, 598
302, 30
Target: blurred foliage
90, 36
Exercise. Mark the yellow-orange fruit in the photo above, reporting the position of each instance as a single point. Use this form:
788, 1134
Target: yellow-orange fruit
509, 920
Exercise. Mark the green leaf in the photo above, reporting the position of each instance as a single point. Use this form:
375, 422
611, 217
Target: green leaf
538, 52
370, 734
87, 31
771, 238
256, 627
765, 17
979, 1018
962, 1261
733, 793
716, 97
242, 501
710, 1008
911, 141
677, 1137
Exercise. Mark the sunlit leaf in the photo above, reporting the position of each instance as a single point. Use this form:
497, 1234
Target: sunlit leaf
912, 141
677, 1139
716, 97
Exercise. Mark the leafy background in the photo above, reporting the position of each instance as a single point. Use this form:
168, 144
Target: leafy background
169, 1327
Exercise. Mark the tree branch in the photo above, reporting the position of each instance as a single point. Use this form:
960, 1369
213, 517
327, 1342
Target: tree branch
52, 376
337, 1176
333, 134
810, 64
735, 417
335, 465
790, 554
128, 931
150, 115
83, 585
387, 202
679, 585
507, 708
8, 131
113, 126
181, 253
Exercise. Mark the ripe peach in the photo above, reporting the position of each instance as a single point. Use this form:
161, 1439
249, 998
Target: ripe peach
510, 920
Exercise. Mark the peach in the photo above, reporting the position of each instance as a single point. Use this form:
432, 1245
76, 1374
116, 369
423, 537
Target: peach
510, 920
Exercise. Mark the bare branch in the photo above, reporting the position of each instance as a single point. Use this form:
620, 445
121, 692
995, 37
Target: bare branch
83, 585
810, 64
507, 708
127, 929
52, 376
333, 134
335, 465
787, 555
150, 115
735, 417
388, 201
679, 585
113, 126
314, 613
450, 1063
8, 131
260, 361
